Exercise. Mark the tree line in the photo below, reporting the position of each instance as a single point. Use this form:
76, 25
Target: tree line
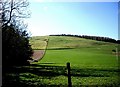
98, 38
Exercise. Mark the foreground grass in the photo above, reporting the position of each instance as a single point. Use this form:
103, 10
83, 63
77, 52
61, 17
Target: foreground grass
87, 67
48, 74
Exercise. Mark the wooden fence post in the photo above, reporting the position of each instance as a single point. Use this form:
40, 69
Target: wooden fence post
69, 75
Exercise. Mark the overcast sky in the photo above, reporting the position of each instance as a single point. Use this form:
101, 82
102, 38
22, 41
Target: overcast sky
81, 18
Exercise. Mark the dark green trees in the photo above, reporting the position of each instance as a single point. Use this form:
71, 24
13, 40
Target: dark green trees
16, 49
15, 46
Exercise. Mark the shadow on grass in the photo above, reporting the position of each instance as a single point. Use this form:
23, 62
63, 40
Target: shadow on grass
28, 75
59, 48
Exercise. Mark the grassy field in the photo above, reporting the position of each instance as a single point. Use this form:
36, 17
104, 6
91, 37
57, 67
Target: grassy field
92, 63
80, 52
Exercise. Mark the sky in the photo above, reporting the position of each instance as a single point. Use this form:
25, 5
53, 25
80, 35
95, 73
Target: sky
73, 17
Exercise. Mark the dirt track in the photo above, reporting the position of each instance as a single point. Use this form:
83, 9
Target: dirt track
37, 55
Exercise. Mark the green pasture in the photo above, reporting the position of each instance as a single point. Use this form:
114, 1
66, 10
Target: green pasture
81, 58
92, 63
80, 52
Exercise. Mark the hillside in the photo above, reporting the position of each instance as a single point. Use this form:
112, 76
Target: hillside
62, 49
39, 42
75, 42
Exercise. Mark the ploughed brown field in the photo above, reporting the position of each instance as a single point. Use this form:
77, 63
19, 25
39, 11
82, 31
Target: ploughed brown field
38, 54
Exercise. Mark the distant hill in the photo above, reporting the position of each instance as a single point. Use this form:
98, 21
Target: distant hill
98, 38
66, 42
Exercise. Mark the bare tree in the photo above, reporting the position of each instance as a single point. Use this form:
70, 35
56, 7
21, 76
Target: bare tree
0, 14
14, 10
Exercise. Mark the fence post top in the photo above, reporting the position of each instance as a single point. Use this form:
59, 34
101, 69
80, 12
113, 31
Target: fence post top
68, 62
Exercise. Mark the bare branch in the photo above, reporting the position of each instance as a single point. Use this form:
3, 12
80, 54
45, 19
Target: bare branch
14, 9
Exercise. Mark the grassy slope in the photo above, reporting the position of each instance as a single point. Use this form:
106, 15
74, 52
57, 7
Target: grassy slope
84, 53
38, 42
92, 62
